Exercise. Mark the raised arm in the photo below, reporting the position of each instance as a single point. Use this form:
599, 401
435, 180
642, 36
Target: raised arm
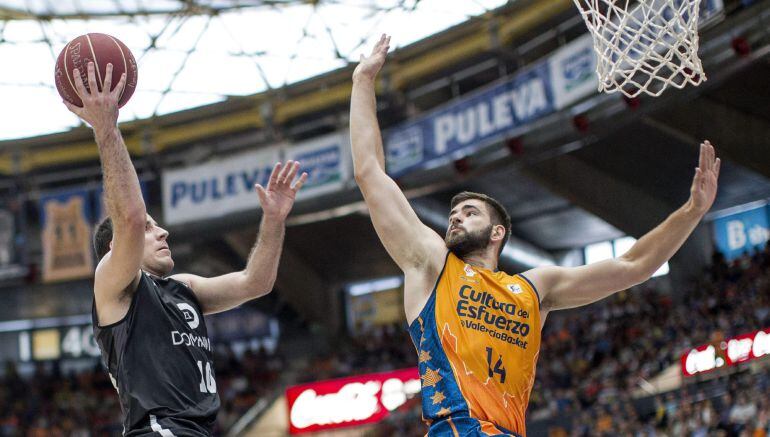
224, 292
119, 269
410, 243
562, 287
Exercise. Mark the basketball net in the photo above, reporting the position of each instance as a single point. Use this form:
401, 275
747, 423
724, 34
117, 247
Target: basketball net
644, 46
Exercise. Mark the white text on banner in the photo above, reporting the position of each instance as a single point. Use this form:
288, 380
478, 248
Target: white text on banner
327, 162
572, 69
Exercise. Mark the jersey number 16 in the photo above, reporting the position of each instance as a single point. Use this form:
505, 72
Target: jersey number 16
208, 385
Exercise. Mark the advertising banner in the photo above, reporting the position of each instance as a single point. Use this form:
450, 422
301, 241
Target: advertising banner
346, 402
741, 232
573, 72
327, 162
65, 219
216, 188
469, 123
746, 347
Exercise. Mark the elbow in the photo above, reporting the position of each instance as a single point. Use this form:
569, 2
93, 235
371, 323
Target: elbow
130, 211
360, 174
261, 288
362, 167
133, 219
635, 271
363, 172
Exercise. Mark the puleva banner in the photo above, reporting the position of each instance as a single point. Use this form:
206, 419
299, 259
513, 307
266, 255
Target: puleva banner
464, 125
216, 188
65, 219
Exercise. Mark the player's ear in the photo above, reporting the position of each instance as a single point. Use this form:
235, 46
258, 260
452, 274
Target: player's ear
498, 232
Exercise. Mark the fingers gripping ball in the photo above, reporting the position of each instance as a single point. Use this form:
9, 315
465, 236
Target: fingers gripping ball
100, 49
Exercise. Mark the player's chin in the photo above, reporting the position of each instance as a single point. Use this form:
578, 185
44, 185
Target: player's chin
166, 263
452, 241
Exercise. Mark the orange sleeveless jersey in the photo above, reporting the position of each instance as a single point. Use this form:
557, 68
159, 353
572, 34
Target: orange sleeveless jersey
477, 339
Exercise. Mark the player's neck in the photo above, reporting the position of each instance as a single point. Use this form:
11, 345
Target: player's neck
153, 273
482, 260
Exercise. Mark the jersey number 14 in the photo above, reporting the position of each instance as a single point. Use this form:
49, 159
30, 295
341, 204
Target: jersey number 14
496, 368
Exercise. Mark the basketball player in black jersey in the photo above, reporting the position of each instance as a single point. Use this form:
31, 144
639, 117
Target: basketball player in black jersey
150, 327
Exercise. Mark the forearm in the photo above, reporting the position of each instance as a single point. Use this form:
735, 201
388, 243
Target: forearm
262, 266
365, 136
660, 244
122, 194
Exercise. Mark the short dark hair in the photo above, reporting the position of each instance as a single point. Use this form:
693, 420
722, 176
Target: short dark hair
496, 211
103, 237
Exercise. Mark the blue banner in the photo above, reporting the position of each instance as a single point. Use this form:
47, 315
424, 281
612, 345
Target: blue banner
471, 122
741, 232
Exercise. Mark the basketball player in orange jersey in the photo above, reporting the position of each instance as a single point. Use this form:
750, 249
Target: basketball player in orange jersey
477, 329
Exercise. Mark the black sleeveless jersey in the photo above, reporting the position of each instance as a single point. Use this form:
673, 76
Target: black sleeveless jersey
159, 358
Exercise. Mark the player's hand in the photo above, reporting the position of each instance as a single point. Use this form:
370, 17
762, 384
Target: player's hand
368, 67
704, 184
100, 108
278, 198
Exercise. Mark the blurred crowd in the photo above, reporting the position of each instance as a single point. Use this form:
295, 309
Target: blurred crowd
737, 406
593, 356
372, 349
81, 404
592, 360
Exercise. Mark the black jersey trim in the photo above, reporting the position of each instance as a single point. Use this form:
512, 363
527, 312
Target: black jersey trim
539, 302
130, 308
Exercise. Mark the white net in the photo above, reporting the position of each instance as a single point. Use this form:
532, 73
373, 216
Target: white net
644, 46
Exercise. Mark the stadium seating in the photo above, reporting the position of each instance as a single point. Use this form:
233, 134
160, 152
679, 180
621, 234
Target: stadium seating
592, 360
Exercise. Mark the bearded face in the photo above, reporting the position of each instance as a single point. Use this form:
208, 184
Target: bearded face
462, 242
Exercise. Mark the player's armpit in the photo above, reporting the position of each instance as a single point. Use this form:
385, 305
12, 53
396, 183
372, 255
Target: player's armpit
112, 302
117, 274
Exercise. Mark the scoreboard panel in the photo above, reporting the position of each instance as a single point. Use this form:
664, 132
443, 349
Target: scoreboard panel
47, 339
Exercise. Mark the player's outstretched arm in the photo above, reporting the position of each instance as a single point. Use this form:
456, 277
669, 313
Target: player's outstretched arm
409, 242
122, 196
562, 287
224, 292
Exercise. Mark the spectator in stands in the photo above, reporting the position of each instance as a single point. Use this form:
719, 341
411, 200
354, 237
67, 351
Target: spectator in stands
741, 413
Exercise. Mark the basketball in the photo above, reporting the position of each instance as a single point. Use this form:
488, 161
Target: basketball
100, 49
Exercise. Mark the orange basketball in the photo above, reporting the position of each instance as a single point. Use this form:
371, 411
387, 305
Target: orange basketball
100, 49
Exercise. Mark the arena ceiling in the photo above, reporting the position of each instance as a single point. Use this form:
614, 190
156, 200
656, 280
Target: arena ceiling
195, 52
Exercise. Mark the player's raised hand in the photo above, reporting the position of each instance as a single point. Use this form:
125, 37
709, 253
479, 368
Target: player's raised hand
704, 184
278, 198
100, 107
368, 67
